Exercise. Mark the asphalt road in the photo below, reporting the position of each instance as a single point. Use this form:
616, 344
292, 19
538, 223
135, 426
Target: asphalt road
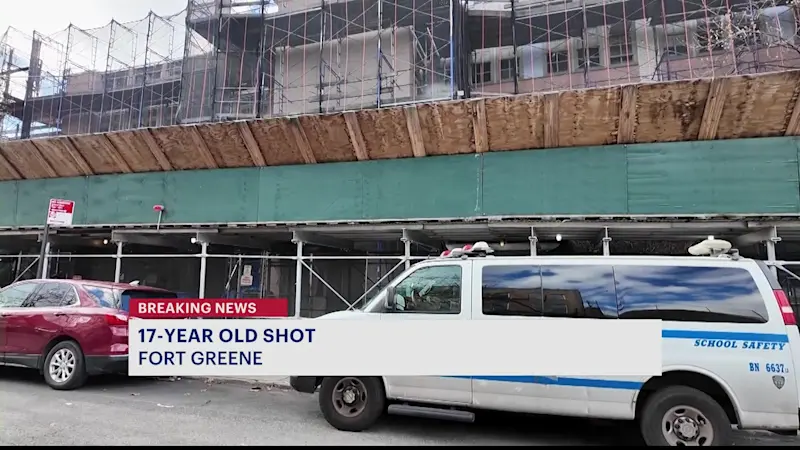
122, 411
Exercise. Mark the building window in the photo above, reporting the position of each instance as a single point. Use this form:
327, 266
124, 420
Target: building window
481, 73
689, 294
675, 47
589, 57
559, 62
619, 51
507, 68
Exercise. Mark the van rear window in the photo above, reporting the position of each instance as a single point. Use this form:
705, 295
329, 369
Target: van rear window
689, 294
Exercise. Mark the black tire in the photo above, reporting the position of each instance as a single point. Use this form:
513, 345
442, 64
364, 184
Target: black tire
661, 402
77, 376
374, 403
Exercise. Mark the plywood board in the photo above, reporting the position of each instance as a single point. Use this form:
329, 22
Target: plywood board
95, 150
62, 158
177, 145
226, 144
135, 151
276, 143
737, 107
27, 159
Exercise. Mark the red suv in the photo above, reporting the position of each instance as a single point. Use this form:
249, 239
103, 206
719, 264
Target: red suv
68, 329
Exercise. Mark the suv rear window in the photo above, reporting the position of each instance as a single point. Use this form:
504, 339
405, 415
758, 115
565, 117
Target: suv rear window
119, 299
689, 294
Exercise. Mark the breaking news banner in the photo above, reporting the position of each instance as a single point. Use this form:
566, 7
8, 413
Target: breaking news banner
163, 343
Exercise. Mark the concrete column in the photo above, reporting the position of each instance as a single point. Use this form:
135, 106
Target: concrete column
118, 263
644, 45
298, 279
203, 262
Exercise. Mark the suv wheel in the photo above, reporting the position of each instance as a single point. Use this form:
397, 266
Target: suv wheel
352, 403
684, 416
64, 367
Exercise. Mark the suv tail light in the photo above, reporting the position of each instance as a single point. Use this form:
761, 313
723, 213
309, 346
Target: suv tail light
786, 308
116, 320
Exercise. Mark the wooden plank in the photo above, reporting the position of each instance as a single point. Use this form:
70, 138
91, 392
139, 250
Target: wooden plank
414, 131
356, 137
114, 154
155, 149
793, 127
202, 147
8, 167
551, 120
36, 153
712, 113
479, 127
251, 144
626, 132
76, 156
301, 141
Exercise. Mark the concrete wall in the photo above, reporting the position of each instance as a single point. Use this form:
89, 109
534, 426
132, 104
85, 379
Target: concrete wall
350, 75
747, 176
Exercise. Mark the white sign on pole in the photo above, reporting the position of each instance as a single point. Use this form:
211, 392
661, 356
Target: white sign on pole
59, 212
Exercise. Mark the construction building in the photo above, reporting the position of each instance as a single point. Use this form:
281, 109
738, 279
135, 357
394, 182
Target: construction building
312, 149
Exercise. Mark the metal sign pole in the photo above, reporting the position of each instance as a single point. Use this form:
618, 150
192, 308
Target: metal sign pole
43, 252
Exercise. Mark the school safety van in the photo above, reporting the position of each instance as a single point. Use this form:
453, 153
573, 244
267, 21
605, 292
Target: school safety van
731, 347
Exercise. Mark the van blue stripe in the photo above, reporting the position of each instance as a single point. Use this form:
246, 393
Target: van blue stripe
631, 385
559, 381
724, 335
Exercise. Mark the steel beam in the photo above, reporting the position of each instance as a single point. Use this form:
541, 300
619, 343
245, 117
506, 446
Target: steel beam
420, 238
756, 237
321, 240
232, 240
176, 241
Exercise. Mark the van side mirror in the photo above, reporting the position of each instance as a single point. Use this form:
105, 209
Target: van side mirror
390, 299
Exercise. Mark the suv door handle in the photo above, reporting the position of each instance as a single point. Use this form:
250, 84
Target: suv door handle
4, 314
59, 314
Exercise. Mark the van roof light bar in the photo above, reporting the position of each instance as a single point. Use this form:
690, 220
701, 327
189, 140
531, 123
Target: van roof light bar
479, 248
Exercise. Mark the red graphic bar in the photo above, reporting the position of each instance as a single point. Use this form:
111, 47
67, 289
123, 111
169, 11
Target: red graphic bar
186, 308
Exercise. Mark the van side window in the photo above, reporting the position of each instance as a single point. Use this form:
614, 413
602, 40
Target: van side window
689, 294
431, 290
512, 291
579, 291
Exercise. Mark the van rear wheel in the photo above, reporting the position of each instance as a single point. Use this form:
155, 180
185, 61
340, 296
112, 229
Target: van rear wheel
352, 403
683, 416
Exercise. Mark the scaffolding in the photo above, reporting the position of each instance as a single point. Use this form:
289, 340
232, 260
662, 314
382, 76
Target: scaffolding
327, 268
237, 59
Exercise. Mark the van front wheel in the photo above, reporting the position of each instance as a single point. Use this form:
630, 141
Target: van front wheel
352, 403
683, 416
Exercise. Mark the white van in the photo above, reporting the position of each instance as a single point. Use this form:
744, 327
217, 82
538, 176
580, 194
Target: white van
731, 346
